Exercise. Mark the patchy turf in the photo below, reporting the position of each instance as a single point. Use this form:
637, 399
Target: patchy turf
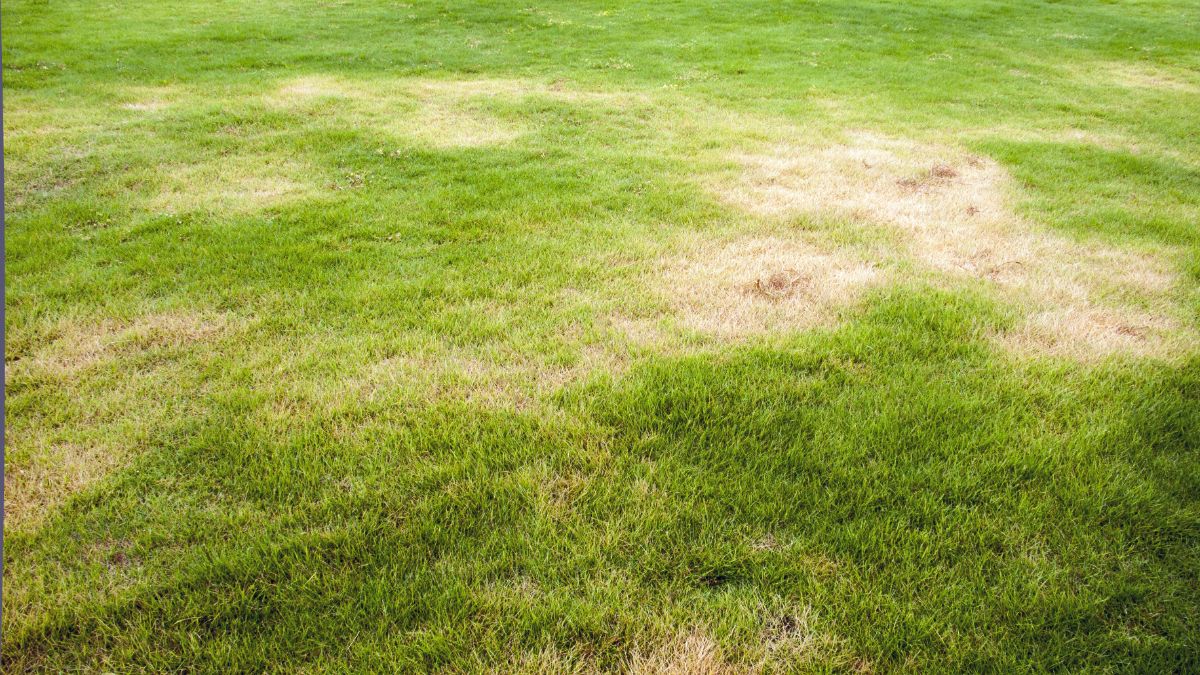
680, 337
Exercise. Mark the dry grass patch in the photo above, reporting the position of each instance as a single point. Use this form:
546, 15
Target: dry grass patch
558, 90
787, 641
1142, 76
77, 346
437, 115
36, 486
1084, 333
691, 654
763, 284
951, 209
44, 467
504, 381
1103, 139
149, 99
791, 639
237, 183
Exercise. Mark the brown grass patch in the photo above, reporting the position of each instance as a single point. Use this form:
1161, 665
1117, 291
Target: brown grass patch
791, 639
34, 487
763, 284
951, 208
145, 106
495, 380
77, 347
788, 640
549, 661
52, 460
511, 89
691, 654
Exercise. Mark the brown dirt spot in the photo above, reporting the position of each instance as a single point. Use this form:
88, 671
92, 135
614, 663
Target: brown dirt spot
763, 284
951, 208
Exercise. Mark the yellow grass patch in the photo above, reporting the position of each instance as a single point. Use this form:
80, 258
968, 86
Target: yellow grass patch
34, 487
1145, 76
792, 638
558, 90
691, 654
497, 380
79, 346
44, 469
788, 640
438, 115
149, 99
436, 112
145, 106
238, 184
951, 209
637, 331
763, 284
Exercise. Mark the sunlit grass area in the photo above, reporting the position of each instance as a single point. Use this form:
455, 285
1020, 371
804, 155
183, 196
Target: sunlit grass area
667, 337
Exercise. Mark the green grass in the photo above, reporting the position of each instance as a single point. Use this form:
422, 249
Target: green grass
337, 339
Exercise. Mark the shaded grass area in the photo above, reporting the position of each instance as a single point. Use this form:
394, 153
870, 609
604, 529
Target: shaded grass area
335, 341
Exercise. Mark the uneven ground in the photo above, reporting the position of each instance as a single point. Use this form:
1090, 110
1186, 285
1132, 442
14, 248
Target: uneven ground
665, 337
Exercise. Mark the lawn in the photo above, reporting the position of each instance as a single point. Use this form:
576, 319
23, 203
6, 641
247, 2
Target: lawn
700, 337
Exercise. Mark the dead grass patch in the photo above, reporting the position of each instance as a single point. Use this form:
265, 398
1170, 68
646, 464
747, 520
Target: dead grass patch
237, 184
55, 459
149, 99
33, 488
441, 116
559, 90
791, 639
763, 284
504, 381
691, 654
637, 330
77, 346
145, 106
1103, 139
548, 661
951, 208
1087, 332
1144, 76
787, 641
434, 112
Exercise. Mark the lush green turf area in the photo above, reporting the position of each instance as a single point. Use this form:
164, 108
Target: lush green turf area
372, 335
